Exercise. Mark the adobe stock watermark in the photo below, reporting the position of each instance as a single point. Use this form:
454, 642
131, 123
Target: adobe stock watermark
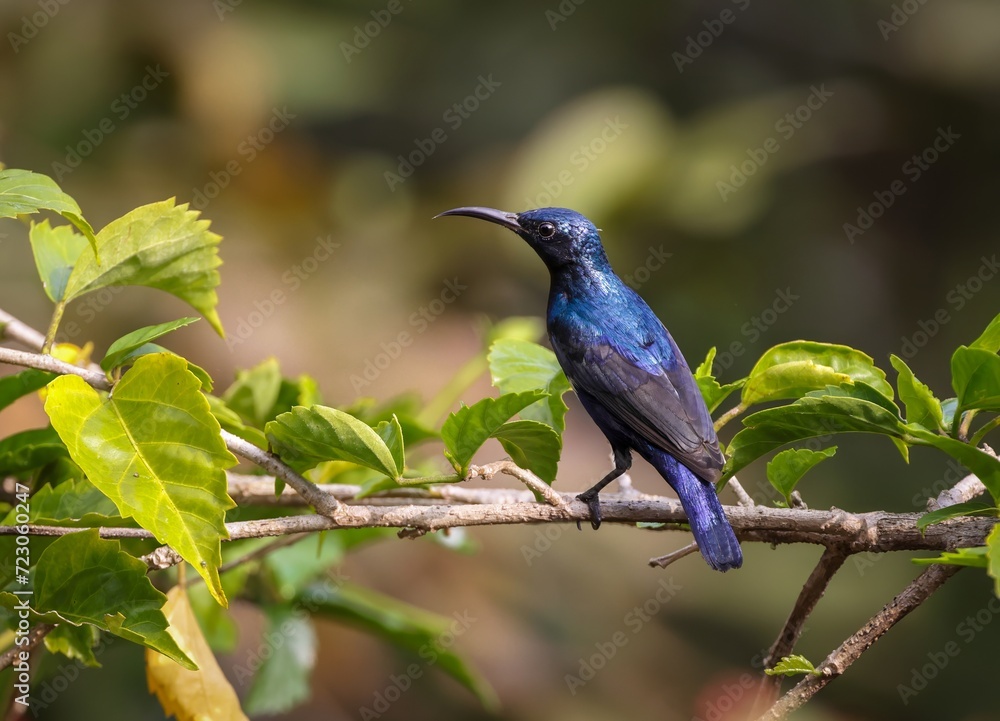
580, 160
701, 41
912, 170
786, 126
454, 117
900, 15
633, 621
120, 109
937, 661
248, 150
429, 652
291, 280
562, 12
417, 324
33, 23
956, 299
364, 34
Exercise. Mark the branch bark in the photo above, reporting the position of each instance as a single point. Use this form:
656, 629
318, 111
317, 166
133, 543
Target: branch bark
812, 591
919, 590
877, 531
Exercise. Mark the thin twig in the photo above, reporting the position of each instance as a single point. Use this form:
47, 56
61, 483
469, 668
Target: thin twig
918, 591
15, 330
35, 636
533, 482
965, 490
667, 559
324, 503
812, 591
742, 496
93, 378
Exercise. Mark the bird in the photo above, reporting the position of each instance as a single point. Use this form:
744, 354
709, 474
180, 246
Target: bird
627, 372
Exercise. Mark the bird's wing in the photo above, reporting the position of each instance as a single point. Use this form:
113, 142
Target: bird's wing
649, 389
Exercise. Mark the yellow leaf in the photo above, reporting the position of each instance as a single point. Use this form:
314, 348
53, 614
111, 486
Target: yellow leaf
202, 695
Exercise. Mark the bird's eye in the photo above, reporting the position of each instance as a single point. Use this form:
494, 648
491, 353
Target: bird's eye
546, 230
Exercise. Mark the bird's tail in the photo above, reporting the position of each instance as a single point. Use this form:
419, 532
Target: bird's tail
711, 528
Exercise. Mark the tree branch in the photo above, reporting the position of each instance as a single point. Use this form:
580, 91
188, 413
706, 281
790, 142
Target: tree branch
812, 591
35, 637
919, 590
11, 327
324, 503
876, 531
965, 490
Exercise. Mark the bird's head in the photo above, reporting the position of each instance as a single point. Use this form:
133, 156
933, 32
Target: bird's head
560, 236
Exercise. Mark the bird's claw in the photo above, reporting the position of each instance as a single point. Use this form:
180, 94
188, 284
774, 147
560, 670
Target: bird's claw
594, 504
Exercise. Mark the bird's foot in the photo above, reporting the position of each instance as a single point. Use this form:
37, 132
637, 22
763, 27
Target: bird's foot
594, 504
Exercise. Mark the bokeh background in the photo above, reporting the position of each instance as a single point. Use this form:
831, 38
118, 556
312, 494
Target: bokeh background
348, 125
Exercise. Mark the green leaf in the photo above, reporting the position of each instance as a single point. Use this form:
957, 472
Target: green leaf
159, 245
990, 339
152, 349
808, 417
23, 193
993, 558
790, 370
519, 365
984, 465
861, 391
786, 468
30, 450
283, 679
969, 508
154, 449
87, 579
261, 394
56, 251
392, 433
921, 405
468, 428
418, 631
711, 390
794, 665
304, 437
949, 406
73, 503
76, 642
975, 376
532, 445
21, 384
125, 347
971, 557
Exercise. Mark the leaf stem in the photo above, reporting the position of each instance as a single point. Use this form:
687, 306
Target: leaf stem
50, 335
729, 415
963, 430
421, 480
981, 433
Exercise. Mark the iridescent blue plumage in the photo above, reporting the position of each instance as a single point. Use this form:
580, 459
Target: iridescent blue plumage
627, 371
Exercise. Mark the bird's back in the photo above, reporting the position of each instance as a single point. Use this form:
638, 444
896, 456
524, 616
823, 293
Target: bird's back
614, 348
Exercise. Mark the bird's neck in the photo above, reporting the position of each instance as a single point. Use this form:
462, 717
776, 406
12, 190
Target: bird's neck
585, 278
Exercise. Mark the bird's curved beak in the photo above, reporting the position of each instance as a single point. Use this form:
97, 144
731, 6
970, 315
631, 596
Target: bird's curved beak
507, 220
